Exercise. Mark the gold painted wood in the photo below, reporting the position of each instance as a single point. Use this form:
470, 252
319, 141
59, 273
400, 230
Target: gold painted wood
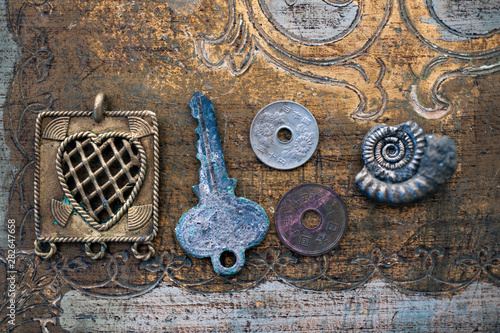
393, 61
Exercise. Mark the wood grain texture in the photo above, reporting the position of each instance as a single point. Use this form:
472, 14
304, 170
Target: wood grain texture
276, 307
393, 66
10, 54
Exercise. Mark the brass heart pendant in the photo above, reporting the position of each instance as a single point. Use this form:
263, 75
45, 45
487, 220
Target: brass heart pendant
101, 175
104, 184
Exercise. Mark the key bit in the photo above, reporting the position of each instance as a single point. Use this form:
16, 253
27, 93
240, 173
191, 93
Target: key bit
221, 221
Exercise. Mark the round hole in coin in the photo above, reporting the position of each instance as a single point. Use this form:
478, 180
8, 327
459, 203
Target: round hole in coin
284, 135
311, 219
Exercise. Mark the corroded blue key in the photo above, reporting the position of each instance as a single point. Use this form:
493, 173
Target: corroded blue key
221, 221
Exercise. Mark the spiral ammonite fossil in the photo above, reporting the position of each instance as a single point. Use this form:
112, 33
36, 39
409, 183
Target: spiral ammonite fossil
403, 165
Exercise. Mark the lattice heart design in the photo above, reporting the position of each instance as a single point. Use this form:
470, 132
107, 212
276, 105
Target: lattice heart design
101, 175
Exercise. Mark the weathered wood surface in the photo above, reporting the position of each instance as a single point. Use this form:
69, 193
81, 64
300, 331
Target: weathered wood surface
385, 62
275, 307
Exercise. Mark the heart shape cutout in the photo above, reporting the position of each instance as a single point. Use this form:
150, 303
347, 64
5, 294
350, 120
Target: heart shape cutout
101, 175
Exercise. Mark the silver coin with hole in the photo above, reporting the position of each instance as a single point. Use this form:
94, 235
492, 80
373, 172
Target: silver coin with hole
284, 135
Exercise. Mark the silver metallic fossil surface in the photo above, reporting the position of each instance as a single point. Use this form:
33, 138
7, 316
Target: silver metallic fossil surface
403, 165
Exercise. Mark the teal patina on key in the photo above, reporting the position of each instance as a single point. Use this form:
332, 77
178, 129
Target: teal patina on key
221, 221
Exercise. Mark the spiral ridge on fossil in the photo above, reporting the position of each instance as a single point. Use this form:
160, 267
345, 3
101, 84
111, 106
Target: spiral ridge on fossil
403, 165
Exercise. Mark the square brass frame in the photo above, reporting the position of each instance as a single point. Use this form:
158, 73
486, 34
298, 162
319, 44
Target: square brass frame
56, 219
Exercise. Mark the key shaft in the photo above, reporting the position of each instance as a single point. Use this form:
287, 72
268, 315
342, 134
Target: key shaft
212, 173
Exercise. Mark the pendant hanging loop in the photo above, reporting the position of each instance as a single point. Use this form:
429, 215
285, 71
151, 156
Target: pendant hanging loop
100, 106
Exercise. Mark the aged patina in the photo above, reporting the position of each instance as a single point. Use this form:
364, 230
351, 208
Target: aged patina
315, 239
221, 222
96, 179
403, 165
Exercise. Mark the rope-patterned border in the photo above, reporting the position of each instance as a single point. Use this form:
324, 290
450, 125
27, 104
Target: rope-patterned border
156, 178
104, 136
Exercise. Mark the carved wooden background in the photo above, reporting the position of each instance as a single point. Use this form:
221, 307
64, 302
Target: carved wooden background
352, 63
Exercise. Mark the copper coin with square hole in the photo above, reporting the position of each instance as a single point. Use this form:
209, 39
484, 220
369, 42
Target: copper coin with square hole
297, 227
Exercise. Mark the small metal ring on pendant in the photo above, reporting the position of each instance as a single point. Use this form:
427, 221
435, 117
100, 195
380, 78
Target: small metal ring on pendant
96, 255
143, 256
99, 107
